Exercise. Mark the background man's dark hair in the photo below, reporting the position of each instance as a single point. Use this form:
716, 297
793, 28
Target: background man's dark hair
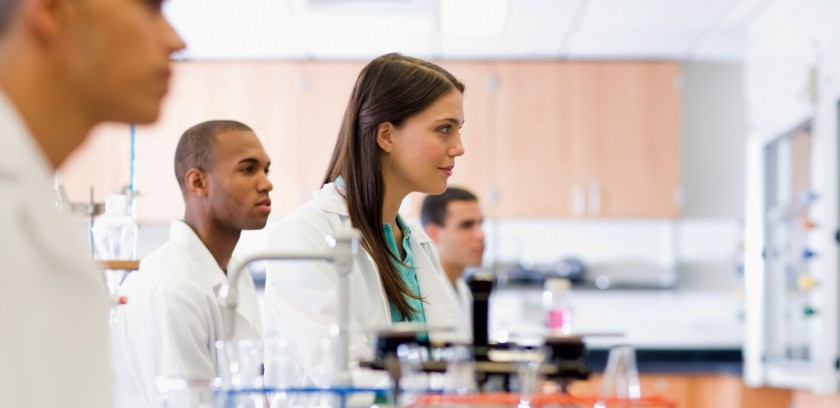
196, 146
434, 206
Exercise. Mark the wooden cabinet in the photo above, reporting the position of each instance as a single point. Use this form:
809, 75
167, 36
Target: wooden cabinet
319, 100
542, 139
587, 139
532, 153
624, 127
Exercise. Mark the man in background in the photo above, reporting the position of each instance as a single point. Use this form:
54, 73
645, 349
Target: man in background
65, 66
172, 320
453, 221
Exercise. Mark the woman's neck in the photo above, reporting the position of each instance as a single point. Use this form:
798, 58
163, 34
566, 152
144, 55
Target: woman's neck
391, 201
390, 208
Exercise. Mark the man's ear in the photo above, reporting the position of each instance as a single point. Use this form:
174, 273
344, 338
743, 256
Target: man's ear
195, 181
433, 230
48, 18
385, 136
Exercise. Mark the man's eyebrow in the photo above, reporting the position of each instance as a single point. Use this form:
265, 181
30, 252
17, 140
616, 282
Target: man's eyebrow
250, 160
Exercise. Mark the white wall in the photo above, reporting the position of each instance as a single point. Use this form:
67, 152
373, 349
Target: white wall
713, 125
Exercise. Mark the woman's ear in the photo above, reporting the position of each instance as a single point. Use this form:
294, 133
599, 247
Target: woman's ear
385, 136
196, 182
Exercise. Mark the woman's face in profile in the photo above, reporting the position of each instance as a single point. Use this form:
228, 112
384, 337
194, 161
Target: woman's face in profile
422, 151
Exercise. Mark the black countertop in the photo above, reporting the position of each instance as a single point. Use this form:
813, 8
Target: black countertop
678, 361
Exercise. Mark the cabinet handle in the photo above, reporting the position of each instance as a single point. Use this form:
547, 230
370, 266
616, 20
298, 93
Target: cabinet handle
594, 199
578, 201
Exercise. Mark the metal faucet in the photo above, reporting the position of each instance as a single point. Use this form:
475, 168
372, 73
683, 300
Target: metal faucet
344, 246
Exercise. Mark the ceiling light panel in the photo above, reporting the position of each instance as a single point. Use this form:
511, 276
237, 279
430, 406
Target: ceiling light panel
654, 29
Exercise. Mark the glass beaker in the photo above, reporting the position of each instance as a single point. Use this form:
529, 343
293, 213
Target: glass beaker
240, 380
283, 373
621, 376
528, 362
459, 378
184, 393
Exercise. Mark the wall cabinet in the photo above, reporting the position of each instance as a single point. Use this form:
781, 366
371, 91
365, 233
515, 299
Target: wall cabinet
583, 139
624, 128
542, 139
532, 155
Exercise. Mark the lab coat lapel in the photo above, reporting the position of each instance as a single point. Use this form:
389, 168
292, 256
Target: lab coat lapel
210, 272
330, 200
438, 300
247, 308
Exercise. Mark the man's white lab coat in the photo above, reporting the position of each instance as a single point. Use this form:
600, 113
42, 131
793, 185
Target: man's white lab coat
173, 319
53, 306
301, 302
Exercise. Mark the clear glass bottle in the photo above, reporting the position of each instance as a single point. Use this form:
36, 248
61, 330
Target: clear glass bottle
115, 238
557, 305
115, 232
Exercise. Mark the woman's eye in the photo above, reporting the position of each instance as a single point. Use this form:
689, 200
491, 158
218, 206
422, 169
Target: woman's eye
445, 129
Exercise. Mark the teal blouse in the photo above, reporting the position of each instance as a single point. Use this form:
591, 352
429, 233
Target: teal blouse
408, 274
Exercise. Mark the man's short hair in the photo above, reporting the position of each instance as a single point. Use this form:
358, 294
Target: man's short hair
7, 7
196, 146
434, 206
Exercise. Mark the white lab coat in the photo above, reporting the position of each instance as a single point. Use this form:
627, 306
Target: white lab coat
54, 319
463, 295
172, 320
300, 301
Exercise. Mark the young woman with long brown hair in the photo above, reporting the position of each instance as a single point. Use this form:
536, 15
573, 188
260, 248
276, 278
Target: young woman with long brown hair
400, 134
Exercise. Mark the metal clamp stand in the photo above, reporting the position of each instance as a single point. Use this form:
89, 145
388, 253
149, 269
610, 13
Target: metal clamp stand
494, 363
345, 246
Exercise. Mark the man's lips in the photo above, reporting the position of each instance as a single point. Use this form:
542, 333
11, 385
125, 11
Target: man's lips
264, 204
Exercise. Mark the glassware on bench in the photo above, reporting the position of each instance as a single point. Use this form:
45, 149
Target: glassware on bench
621, 376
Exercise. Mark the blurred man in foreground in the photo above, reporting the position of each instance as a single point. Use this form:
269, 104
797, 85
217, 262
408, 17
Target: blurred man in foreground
65, 66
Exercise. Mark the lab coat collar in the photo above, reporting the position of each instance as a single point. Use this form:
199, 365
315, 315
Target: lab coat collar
181, 233
18, 153
210, 271
330, 198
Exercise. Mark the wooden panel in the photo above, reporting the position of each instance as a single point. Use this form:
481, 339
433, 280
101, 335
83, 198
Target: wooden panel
800, 399
717, 391
321, 95
531, 154
102, 163
625, 126
713, 391
675, 387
